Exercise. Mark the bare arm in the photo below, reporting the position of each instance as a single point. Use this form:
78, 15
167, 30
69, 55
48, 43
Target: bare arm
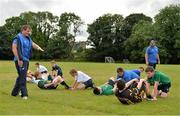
37, 47
15, 52
147, 88
155, 90
130, 82
146, 58
158, 58
74, 84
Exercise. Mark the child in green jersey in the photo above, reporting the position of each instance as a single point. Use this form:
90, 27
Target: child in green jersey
159, 80
106, 89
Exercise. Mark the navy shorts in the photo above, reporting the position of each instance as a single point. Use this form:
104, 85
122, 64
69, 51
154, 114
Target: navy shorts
52, 87
164, 87
88, 83
44, 72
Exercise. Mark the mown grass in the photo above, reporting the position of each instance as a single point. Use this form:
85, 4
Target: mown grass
60, 101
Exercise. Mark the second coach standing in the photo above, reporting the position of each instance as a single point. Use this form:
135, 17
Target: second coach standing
152, 55
22, 49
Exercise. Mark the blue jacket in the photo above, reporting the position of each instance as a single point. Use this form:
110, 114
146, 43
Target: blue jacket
152, 54
128, 75
137, 71
24, 47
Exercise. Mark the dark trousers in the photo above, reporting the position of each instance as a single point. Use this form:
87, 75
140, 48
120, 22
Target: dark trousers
20, 84
153, 65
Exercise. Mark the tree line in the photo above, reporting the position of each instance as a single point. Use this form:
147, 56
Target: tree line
109, 35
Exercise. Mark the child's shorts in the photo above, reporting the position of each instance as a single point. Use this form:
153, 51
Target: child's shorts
88, 83
164, 87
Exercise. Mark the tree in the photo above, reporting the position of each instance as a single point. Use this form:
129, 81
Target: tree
7, 33
5, 42
104, 34
42, 24
168, 24
131, 20
136, 45
165, 30
56, 35
63, 41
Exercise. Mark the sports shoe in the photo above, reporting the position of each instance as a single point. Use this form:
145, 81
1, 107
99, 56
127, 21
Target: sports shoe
149, 97
25, 97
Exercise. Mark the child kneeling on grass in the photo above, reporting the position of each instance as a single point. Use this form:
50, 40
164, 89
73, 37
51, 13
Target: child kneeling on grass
159, 80
131, 92
106, 89
82, 80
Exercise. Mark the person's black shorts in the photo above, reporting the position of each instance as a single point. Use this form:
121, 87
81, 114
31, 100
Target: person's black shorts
88, 83
153, 65
44, 72
52, 87
111, 82
164, 87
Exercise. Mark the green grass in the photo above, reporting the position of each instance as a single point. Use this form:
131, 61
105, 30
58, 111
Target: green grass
60, 101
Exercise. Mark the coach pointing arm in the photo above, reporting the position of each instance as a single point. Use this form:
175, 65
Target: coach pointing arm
35, 46
22, 49
15, 52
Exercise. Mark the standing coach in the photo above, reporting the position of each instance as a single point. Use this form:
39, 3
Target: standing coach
22, 49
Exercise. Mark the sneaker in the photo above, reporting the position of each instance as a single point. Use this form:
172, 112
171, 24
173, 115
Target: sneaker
25, 97
149, 97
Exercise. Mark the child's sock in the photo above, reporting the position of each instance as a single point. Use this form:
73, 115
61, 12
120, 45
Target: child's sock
65, 85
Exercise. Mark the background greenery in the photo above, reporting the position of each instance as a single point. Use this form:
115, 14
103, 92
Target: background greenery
109, 35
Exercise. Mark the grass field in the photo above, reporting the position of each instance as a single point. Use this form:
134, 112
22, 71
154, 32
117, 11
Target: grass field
60, 101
